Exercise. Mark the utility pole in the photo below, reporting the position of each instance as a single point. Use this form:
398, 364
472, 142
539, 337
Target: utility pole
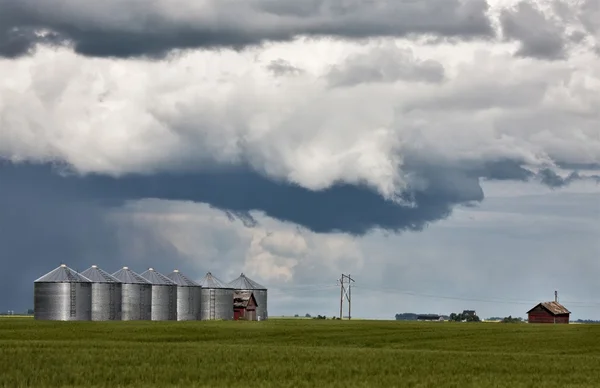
555, 300
341, 296
347, 293
349, 297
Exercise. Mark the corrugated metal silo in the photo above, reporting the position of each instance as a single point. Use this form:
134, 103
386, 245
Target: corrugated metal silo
106, 294
136, 296
62, 295
164, 296
243, 283
189, 294
217, 299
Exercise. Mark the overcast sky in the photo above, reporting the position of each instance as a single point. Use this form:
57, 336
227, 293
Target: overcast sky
446, 153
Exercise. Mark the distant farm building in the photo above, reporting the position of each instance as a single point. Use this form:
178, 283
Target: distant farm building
244, 306
548, 312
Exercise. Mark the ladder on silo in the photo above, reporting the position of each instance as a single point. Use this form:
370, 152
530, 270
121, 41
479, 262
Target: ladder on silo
111, 302
212, 304
73, 310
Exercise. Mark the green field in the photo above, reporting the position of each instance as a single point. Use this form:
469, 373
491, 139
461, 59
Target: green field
297, 353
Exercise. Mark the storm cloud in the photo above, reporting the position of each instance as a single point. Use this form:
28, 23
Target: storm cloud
550, 29
127, 29
540, 36
353, 209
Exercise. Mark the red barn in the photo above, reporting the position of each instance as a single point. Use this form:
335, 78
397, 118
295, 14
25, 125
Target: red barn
548, 312
244, 306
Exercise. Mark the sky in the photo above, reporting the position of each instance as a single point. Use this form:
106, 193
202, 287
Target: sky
445, 153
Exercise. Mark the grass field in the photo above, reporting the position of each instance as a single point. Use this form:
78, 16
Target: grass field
296, 353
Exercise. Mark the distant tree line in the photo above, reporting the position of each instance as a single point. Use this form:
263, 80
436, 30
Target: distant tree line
510, 319
406, 317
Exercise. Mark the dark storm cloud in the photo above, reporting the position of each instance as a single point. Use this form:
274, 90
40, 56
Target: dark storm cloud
552, 179
345, 208
539, 35
126, 29
551, 34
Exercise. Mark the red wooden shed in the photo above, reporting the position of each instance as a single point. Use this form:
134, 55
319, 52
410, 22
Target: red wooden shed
549, 312
244, 306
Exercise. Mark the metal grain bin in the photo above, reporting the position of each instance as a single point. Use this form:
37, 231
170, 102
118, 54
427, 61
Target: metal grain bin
164, 296
136, 296
106, 294
189, 294
62, 295
217, 299
243, 283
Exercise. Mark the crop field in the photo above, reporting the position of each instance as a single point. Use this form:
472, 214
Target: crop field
297, 353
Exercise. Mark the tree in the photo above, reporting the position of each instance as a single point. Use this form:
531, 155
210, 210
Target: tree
307, 315
406, 317
465, 316
510, 319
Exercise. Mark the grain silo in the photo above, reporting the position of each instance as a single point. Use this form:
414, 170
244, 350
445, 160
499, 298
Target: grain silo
217, 299
106, 294
164, 296
136, 296
245, 284
189, 294
62, 295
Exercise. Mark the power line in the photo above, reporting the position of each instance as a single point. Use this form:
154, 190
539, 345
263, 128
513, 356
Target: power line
484, 300
301, 289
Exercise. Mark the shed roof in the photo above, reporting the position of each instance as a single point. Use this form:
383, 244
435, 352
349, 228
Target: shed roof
245, 283
242, 298
98, 275
210, 281
125, 275
553, 308
157, 278
181, 280
63, 274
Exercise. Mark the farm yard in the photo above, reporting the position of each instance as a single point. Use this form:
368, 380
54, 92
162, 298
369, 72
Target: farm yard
296, 353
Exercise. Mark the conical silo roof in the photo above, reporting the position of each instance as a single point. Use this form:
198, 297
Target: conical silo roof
63, 274
181, 280
210, 281
156, 277
245, 283
127, 276
98, 275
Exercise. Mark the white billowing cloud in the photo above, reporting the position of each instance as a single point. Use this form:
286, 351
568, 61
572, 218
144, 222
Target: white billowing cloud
225, 107
205, 239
